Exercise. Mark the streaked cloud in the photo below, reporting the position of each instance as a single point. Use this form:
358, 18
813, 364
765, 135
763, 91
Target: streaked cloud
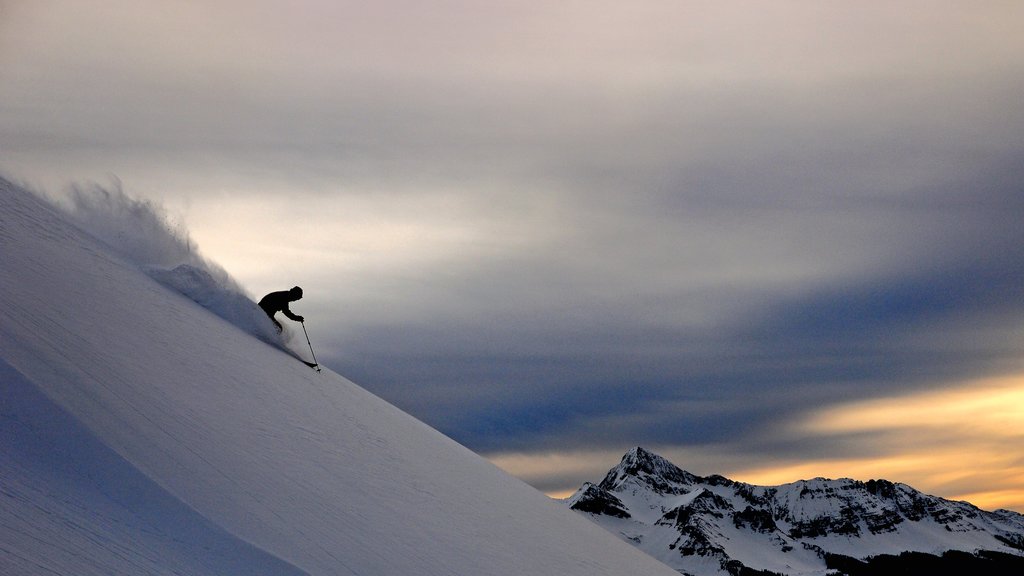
559, 231
960, 443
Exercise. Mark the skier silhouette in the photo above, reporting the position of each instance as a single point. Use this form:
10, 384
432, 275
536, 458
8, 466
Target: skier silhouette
278, 302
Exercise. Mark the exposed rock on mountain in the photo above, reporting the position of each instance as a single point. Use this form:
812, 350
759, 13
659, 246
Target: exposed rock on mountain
713, 525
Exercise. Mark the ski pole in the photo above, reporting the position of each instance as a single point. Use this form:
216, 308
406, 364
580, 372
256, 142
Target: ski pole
310, 345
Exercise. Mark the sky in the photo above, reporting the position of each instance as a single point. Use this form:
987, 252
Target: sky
771, 241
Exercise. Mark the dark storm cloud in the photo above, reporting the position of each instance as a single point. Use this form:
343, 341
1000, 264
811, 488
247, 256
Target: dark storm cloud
586, 372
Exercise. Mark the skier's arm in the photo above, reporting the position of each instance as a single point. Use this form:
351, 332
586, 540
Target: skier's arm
289, 314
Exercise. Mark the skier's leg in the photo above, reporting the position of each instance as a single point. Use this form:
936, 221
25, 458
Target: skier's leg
270, 314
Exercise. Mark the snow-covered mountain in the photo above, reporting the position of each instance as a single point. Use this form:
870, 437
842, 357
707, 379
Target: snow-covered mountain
142, 434
713, 525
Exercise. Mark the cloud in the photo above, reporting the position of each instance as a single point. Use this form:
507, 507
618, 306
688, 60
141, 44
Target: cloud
921, 439
942, 266
918, 438
577, 227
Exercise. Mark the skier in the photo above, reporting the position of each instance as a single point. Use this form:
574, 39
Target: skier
278, 302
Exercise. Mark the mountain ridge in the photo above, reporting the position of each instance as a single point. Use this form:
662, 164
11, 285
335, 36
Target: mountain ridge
714, 525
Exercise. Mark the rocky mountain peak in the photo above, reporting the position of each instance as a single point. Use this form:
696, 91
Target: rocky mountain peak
716, 526
646, 467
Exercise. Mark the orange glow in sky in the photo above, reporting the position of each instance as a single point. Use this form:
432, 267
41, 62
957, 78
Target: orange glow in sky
960, 444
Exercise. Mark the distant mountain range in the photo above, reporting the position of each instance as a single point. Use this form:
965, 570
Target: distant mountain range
715, 526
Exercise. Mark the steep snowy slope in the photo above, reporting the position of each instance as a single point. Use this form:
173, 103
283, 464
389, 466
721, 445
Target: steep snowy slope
137, 425
714, 525
69, 505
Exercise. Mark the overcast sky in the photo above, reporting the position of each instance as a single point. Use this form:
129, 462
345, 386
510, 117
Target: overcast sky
771, 240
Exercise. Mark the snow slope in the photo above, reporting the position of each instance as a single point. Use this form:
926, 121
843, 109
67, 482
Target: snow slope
70, 505
142, 434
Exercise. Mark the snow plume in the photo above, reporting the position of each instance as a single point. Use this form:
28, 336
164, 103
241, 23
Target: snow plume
137, 229
142, 232
234, 306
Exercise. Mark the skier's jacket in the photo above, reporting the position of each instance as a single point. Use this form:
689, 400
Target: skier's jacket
278, 302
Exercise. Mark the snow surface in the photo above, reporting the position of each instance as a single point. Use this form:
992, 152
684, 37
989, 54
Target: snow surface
141, 434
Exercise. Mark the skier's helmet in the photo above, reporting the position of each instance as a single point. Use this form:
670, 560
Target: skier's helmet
296, 292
